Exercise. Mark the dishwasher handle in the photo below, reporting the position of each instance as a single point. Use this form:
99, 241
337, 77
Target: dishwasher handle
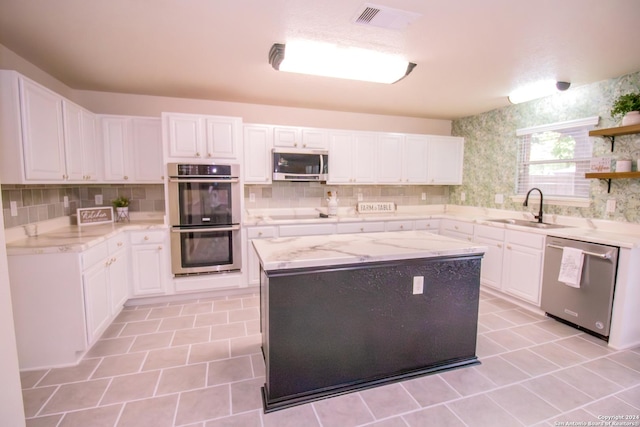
606, 255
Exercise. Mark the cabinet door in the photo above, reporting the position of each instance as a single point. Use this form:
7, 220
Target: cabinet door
414, 168
222, 138
186, 136
43, 136
89, 146
96, 299
118, 283
73, 140
364, 158
314, 138
146, 141
258, 142
149, 268
340, 158
116, 145
491, 271
445, 156
521, 272
389, 169
287, 137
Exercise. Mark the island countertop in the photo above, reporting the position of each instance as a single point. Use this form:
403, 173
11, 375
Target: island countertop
341, 249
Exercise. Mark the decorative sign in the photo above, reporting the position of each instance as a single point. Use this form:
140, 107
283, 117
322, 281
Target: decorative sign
93, 216
600, 164
376, 207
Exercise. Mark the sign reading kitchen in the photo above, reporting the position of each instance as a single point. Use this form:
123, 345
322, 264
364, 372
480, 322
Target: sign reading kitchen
94, 216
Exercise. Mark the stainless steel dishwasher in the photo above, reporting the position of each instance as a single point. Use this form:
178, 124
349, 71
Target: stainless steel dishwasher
588, 306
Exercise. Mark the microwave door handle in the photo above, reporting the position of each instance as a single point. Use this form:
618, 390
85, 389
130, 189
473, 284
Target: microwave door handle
201, 180
206, 229
321, 164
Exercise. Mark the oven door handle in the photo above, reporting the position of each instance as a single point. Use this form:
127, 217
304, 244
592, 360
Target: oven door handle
199, 230
204, 180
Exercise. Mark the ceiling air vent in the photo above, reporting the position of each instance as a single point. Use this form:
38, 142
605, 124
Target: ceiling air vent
384, 17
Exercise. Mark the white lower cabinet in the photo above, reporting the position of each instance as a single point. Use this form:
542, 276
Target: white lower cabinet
493, 239
430, 225
105, 284
522, 265
149, 261
457, 229
398, 226
253, 264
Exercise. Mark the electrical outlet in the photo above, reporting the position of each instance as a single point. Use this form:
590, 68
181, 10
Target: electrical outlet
611, 206
360, 197
418, 285
423, 196
463, 196
65, 201
98, 199
14, 208
252, 197
499, 199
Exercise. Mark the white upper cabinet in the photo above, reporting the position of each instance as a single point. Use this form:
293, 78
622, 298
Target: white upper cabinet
44, 138
193, 136
80, 142
258, 143
390, 155
352, 157
414, 159
132, 149
445, 157
300, 138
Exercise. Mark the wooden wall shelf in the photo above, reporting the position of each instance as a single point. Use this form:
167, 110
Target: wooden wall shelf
611, 133
612, 175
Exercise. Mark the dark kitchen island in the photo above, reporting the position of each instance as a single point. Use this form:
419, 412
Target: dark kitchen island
346, 312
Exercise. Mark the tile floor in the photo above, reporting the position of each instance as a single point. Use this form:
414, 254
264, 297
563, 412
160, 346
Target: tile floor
198, 364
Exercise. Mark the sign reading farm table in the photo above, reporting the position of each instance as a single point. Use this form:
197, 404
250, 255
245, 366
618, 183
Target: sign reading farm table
94, 216
376, 207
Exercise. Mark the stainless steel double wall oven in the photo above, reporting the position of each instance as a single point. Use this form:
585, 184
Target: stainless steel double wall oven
204, 214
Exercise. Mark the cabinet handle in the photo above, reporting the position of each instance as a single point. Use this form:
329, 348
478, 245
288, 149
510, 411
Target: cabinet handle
113, 260
159, 248
499, 245
126, 177
146, 237
401, 227
162, 177
209, 155
509, 247
197, 154
469, 239
260, 233
304, 145
295, 144
361, 228
266, 179
455, 226
120, 243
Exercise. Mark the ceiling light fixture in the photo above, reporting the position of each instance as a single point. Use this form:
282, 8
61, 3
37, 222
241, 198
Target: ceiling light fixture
329, 60
537, 90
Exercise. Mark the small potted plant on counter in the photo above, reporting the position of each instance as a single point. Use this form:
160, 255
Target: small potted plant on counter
122, 208
628, 107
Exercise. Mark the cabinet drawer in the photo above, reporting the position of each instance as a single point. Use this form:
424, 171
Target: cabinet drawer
116, 243
261, 232
490, 232
432, 225
458, 226
530, 240
398, 225
306, 230
361, 227
142, 237
93, 255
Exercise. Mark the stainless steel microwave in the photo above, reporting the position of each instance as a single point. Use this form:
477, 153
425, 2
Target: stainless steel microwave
300, 165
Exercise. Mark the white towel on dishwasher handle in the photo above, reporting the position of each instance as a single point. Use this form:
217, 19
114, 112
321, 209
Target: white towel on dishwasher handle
571, 267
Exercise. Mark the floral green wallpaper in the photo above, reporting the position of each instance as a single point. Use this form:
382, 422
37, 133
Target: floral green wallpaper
490, 152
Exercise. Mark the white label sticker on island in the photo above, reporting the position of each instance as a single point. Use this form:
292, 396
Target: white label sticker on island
376, 207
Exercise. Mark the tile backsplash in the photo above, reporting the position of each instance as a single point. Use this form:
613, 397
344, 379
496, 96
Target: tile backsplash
42, 202
314, 194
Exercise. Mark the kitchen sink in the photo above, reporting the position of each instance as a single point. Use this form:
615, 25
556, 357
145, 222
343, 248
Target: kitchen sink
527, 223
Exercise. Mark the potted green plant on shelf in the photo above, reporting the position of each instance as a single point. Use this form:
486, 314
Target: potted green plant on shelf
122, 207
628, 107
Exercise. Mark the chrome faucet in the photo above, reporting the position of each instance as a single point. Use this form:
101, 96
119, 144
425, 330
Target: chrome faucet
526, 203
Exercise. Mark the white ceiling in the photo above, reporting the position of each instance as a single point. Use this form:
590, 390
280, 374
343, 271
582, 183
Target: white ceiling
470, 53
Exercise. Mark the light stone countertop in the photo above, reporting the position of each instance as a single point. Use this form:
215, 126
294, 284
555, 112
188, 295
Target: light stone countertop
342, 249
606, 232
72, 238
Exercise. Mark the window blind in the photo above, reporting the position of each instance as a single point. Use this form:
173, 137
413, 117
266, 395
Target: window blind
555, 158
